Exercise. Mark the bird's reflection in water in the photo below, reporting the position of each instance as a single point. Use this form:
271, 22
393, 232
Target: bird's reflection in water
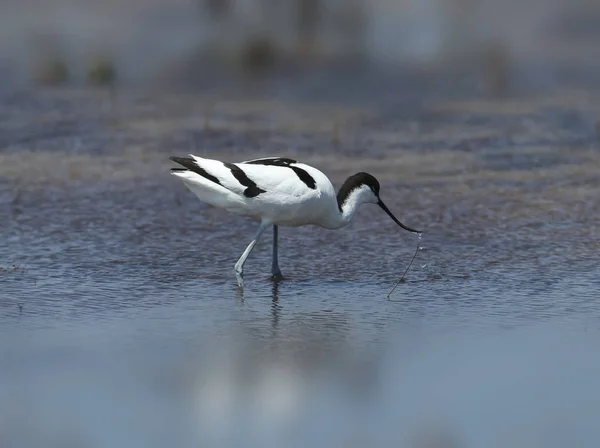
274, 366
239, 296
275, 309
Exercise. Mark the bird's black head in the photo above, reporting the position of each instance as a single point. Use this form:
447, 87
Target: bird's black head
357, 182
368, 180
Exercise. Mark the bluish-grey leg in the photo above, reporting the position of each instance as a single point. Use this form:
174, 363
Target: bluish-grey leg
275, 271
239, 266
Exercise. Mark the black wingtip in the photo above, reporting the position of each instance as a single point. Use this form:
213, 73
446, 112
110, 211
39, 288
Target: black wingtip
181, 160
190, 164
186, 162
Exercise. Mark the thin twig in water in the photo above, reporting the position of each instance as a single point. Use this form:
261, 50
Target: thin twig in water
407, 268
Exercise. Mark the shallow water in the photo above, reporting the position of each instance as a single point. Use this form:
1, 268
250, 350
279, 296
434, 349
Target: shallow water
122, 324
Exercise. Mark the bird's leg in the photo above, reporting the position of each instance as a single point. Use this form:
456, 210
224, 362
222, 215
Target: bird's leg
275, 271
239, 266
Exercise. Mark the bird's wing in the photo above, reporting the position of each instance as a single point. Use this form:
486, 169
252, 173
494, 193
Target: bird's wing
274, 175
279, 175
227, 175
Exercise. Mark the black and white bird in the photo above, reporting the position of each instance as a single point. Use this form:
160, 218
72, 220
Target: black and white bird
279, 192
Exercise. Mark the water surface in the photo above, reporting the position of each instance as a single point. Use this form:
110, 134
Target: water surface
122, 324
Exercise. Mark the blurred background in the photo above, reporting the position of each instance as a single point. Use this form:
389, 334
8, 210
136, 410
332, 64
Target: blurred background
70, 42
120, 321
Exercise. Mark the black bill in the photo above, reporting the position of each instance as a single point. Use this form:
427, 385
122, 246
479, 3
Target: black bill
391, 215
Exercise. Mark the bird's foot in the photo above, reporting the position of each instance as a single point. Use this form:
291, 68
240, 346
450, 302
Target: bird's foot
239, 275
276, 275
240, 282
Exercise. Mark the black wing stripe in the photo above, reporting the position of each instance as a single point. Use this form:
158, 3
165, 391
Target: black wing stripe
305, 177
287, 163
252, 190
273, 161
191, 165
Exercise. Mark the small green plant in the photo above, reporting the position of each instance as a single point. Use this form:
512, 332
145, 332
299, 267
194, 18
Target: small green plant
335, 132
258, 54
52, 72
208, 115
102, 72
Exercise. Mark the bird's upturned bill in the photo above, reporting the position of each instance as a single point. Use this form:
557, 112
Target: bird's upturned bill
391, 215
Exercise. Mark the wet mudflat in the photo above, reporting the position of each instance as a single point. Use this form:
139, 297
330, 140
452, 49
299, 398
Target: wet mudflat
119, 308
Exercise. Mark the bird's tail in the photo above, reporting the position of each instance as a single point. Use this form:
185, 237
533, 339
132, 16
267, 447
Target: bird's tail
203, 184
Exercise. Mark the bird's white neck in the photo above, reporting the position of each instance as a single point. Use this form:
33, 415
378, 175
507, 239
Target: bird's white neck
342, 214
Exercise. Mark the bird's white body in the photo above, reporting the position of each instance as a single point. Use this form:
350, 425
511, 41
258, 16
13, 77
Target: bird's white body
279, 192
286, 201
